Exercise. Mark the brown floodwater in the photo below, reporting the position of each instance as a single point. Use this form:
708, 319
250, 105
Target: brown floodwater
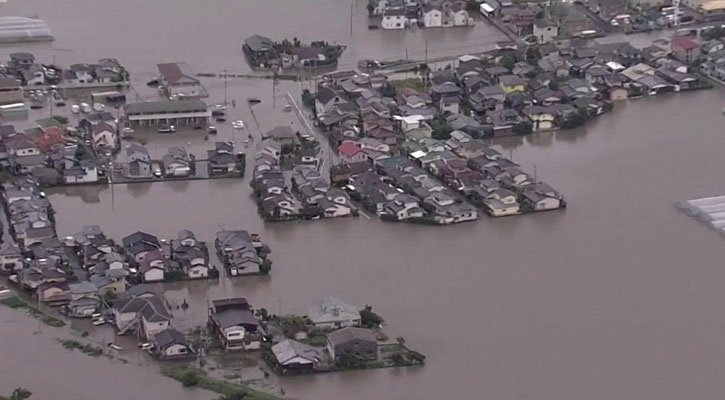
32, 358
619, 296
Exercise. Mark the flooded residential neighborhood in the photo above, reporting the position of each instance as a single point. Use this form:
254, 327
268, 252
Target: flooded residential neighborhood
619, 295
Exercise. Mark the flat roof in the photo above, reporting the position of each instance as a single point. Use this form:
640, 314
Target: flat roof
486, 7
713, 5
170, 106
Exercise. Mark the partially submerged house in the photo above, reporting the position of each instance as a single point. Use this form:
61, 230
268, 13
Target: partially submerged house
171, 344
179, 80
333, 313
352, 342
146, 315
235, 325
238, 250
291, 355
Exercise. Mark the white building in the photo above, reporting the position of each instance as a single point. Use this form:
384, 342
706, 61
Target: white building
498, 208
333, 313
432, 18
165, 113
544, 31
394, 19
171, 344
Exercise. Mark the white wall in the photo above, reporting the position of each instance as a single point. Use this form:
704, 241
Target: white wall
154, 275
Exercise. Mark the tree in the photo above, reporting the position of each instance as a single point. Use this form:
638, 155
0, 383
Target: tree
441, 129
266, 265
349, 360
368, 318
109, 296
20, 394
507, 62
262, 314
523, 127
533, 54
308, 99
387, 90
190, 378
238, 395
577, 119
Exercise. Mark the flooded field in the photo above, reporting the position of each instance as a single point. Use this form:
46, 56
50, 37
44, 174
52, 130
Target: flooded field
617, 297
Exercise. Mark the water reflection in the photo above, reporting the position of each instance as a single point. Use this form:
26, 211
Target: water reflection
137, 189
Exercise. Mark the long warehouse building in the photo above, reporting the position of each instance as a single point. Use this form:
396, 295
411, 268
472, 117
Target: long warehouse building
165, 113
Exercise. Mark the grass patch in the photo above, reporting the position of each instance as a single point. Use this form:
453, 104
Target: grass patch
13, 302
316, 340
413, 83
88, 349
189, 376
16, 302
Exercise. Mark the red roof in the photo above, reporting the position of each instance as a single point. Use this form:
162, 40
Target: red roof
348, 149
51, 136
684, 42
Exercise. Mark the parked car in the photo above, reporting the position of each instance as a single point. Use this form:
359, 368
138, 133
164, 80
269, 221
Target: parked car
166, 129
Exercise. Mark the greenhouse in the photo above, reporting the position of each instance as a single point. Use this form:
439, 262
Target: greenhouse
23, 29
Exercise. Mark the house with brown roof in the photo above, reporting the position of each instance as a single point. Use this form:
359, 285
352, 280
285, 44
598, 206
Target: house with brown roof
382, 129
350, 152
685, 49
50, 139
178, 79
11, 91
54, 293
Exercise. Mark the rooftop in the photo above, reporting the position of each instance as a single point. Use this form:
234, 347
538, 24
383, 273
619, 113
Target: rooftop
157, 107
350, 333
175, 73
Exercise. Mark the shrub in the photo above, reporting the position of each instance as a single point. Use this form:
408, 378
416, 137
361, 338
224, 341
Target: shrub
236, 396
369, 319
308, 99
190, 378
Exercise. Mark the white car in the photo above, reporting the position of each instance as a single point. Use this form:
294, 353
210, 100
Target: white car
238, 124
99, 321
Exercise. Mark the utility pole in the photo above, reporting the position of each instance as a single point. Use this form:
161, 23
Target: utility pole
274, 91
425, 81
352, 8
225, 88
